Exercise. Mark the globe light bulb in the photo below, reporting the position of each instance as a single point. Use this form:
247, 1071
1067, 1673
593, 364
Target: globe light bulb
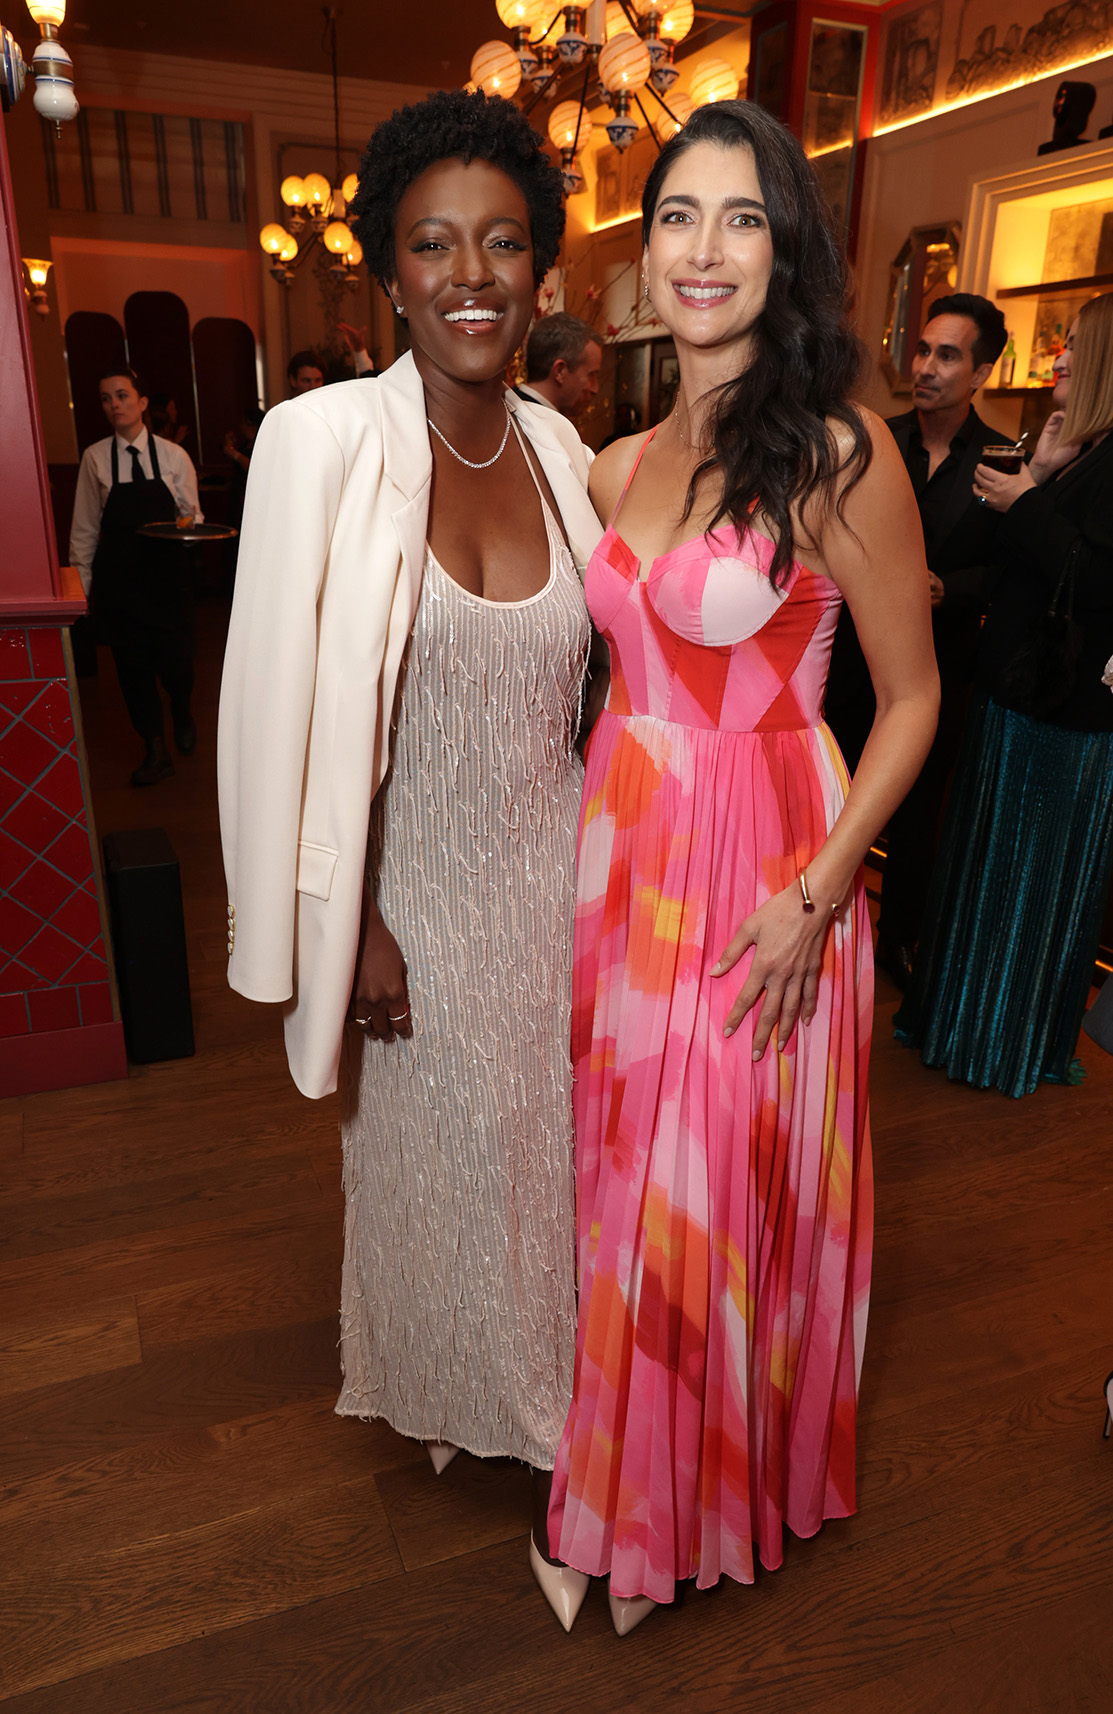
495, 69
617, 22
292, 192
318, 192
354, 254
349, 187
713, 80
289, 250
47, 12
273, 238
677, 19
338, 237
568, 127
624, 64
680, 110
521, 14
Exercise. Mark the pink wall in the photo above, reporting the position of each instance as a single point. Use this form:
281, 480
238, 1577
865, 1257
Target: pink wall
100, 274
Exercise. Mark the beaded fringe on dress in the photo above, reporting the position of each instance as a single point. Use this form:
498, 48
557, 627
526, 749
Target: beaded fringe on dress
1014, 911
458, 1303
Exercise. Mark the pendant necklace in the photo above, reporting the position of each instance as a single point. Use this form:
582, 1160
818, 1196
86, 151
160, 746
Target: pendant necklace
471, 464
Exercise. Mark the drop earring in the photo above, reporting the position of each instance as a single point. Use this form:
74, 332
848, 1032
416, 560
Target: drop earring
398, 310
645, 290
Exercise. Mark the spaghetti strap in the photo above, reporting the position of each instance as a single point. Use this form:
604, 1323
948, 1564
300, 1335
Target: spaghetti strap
633, 473
554, 523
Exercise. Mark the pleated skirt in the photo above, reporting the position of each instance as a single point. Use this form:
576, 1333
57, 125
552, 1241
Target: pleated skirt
724, 1207
1014, 910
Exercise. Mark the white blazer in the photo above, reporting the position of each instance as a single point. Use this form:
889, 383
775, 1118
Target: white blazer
327, 587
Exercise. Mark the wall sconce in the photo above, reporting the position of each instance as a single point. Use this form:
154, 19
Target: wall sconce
54, 97
37, 272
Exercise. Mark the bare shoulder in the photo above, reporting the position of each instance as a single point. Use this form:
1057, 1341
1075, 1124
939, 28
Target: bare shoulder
610, 471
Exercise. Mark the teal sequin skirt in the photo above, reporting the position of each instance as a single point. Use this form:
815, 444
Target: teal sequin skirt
1015, 906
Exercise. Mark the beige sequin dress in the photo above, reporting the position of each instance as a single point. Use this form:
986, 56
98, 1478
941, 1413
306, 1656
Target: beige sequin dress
458, 1303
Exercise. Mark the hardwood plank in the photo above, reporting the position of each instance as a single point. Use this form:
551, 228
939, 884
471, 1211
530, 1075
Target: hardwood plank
148, 1597
45, 1225
289, 1286
474, 1503
42, 1351
191, 1476
211, 1381
151, 1259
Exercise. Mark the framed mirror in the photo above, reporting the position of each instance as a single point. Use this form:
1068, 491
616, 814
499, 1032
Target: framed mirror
925, 268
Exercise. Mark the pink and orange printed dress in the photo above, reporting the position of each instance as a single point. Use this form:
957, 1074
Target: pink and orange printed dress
724, 1219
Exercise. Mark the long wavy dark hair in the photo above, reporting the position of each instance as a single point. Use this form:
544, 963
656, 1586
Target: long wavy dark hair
773, 441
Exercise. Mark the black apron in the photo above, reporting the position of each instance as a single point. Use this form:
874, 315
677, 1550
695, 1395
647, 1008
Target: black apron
139, 584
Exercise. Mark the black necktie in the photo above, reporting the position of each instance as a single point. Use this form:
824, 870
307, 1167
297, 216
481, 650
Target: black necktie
138, 474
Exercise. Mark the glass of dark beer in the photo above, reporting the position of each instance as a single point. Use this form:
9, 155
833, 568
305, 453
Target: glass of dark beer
1006, 459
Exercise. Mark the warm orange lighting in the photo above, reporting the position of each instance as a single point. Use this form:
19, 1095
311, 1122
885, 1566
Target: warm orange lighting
676, 20
713, 80
48, 13
37, 271
354, 255
624, 64
522, 14
273, 238
338, 237
568, 127
318, 192
987, 94
349, 187
289, 250
617, 22
496, 69
680, 109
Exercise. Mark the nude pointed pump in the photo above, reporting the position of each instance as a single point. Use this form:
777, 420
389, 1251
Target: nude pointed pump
628, 1612
563, 1588
1108, 1406
441, 1454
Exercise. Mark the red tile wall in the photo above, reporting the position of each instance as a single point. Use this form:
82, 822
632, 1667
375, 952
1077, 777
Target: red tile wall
53, 970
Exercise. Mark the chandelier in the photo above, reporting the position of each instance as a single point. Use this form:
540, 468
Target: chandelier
624, 48
317, 209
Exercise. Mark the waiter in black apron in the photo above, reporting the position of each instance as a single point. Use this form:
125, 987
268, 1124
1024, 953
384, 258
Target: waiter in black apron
138, 586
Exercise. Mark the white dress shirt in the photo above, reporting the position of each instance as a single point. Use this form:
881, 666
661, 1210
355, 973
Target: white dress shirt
94, 480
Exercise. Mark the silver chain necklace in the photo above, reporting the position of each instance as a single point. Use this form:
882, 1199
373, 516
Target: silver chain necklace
487, 462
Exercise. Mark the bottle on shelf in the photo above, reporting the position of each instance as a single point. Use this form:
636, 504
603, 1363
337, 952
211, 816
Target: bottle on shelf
1038, 359
1008, 363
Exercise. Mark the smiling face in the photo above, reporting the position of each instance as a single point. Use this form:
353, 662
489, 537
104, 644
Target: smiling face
1061, 368
123, 405
464, 268
944, 373
710, 252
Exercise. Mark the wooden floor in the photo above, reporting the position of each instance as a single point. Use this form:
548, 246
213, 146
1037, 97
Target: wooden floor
184, 1525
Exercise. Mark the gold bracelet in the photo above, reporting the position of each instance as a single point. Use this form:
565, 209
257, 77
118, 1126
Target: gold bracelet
809, 903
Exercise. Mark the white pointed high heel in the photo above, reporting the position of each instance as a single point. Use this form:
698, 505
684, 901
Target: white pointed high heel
563, 1588
629, 1611
441, 1454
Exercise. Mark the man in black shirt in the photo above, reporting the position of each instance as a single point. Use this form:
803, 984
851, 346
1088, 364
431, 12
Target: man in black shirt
941, 441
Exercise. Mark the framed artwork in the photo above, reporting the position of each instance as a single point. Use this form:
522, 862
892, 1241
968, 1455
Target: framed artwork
909, 63
925, 268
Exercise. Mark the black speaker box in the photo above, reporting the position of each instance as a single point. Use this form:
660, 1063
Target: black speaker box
144, 885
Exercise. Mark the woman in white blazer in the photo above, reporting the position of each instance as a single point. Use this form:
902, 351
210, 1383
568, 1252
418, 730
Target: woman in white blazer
408, 633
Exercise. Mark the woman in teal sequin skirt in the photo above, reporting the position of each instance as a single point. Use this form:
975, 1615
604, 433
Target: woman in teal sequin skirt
1014, 913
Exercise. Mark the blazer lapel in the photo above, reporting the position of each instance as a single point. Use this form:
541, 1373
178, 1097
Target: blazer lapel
407, 460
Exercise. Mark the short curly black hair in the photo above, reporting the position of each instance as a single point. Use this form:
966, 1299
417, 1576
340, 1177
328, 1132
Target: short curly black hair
451, 123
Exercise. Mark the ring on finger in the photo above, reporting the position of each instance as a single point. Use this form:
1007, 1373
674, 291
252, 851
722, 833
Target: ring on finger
401, 1018
362, 1022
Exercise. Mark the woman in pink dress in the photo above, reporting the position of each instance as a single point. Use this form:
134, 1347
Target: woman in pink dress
723, 964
